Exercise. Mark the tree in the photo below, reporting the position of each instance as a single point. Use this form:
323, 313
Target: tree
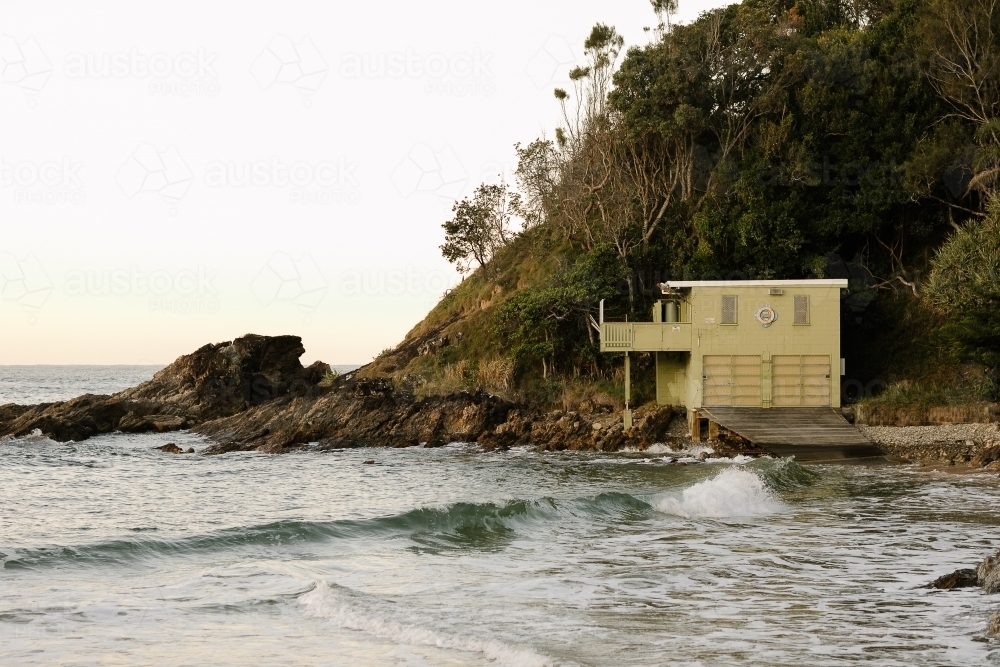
961, 45
975, 337
536, 174
481, 226
551, 321
966, 269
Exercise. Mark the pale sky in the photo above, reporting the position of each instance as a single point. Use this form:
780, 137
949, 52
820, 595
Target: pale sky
180, 173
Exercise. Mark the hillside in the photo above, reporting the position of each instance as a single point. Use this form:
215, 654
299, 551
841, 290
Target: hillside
767, 139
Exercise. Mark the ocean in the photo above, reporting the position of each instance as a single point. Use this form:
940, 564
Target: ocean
116, 553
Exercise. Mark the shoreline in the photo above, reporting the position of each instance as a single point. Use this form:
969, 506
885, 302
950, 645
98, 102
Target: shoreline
253, 394
973, 445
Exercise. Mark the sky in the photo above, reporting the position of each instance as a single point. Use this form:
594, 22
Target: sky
179, 174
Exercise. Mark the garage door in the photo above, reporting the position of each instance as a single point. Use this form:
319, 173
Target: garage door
800, 380
731, 380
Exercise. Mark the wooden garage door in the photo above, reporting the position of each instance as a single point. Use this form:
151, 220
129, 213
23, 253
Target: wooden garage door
731, 380
800, 380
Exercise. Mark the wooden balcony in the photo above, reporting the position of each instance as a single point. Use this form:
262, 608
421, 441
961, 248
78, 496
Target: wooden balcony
646, 337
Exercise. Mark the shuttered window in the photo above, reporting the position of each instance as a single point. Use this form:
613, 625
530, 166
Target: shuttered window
801, 309
729, 309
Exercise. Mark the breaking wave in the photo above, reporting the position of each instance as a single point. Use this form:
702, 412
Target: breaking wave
352, 610
734, 492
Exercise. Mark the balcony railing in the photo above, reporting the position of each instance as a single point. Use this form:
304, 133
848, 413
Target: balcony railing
646, 337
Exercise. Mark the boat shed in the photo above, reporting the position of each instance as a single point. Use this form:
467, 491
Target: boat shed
753, 344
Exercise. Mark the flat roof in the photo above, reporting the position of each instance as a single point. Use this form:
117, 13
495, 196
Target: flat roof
837, 282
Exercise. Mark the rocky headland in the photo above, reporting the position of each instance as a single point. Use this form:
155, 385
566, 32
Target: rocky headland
253, 394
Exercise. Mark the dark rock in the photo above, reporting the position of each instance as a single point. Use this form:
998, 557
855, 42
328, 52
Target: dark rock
988, 573
213, 382
10, 412
132, 423
993, 625
370, 462
170, 448
985, 457
189, 450
964, 578
360, 413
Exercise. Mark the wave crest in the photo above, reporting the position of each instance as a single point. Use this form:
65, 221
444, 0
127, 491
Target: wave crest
352, 610
734, 492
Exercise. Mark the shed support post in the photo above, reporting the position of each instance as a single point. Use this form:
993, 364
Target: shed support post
627, 416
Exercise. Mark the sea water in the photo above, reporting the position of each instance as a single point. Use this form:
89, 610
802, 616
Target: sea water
115, 553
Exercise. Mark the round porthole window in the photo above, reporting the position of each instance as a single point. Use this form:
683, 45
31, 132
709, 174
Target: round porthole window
766, 315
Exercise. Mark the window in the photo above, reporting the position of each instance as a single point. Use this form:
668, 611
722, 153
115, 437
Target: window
801, 309
729, 309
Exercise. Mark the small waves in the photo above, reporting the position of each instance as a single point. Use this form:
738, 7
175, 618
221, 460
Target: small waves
476, 526
352, 610
734, 492
742, 491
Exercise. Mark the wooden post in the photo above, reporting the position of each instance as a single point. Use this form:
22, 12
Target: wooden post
628, 382
627, 416
695, 425
713, 430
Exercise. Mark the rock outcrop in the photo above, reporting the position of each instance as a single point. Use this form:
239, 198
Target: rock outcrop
359, 412
963, 578
213, 382
253, 394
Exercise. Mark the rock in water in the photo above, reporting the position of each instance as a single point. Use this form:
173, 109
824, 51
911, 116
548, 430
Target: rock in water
215, 381
169, 448
964, 578
988, 574
993, 625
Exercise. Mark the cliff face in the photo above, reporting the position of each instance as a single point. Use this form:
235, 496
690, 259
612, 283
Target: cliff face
215, 381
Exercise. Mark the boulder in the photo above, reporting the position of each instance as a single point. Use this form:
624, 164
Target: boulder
170, 448
988, 574
993, 625
964, 578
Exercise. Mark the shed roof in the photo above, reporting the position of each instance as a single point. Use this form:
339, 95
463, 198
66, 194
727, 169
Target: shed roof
838, 282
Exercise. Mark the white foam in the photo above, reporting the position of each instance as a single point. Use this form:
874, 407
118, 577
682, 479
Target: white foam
739, 459
35, 436
733, 492
660, 448
348, 611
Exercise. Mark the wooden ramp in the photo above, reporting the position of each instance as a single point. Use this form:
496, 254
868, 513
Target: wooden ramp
808, 434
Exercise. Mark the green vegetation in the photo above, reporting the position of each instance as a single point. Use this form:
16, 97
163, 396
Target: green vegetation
329, 378
767, 139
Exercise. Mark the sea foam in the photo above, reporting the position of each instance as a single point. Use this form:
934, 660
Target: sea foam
355, 611
734, 492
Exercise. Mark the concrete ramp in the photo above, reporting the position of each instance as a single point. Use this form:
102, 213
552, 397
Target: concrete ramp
808, 434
